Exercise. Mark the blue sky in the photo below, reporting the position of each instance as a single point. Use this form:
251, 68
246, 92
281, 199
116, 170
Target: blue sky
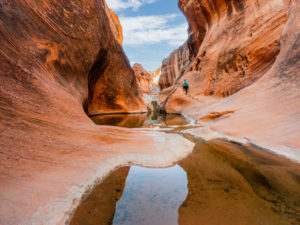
152, 29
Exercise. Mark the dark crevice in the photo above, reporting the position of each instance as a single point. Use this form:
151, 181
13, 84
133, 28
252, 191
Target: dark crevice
97, 71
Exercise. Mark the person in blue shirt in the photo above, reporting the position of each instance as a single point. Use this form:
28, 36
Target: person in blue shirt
185, 86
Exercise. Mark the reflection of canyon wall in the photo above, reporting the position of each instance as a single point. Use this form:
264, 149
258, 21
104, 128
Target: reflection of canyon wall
100, 206
246, 61
120, 120
143, 78
230, 183
172, 66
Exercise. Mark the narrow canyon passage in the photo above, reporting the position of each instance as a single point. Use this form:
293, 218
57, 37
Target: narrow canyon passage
91, 135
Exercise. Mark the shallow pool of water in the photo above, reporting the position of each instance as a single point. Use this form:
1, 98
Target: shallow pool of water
139, 120
151, 196
219, 183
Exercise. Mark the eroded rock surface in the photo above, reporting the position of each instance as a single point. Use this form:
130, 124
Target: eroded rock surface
116, 26
246, 62
173, 66
111, 81
235, 46
143, 78
55, 56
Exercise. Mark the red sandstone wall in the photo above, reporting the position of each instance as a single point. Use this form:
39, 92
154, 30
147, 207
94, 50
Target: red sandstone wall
47, 51
173, 65
61, 42
144, 79
239, 41
247, 63
117, 28
235, 42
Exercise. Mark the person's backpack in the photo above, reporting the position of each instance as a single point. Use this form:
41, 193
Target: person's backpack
185, 84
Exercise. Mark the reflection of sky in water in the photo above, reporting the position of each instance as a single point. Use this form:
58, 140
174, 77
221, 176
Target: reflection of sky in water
152, 196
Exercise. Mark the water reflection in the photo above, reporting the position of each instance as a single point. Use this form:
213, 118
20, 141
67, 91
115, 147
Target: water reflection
99, 207
139, 120
227, 184
152, 196
234, 184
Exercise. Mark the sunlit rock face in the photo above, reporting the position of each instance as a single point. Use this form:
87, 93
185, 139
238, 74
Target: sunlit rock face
235, 42
75, 45
111, 80
246, 62
116, 26
173, 65
156, 73
143, 78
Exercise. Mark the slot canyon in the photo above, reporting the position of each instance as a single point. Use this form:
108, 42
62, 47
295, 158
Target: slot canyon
74, 110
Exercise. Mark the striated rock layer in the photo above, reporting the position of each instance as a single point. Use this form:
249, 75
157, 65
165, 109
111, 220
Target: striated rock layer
238, 45
55, 56
74, 46
173, 66
237, 42
247, 62
143, 78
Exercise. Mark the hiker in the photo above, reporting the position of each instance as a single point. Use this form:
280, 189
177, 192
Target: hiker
185, 86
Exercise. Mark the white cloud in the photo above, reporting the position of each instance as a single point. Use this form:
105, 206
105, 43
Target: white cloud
153, 29
117, 5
